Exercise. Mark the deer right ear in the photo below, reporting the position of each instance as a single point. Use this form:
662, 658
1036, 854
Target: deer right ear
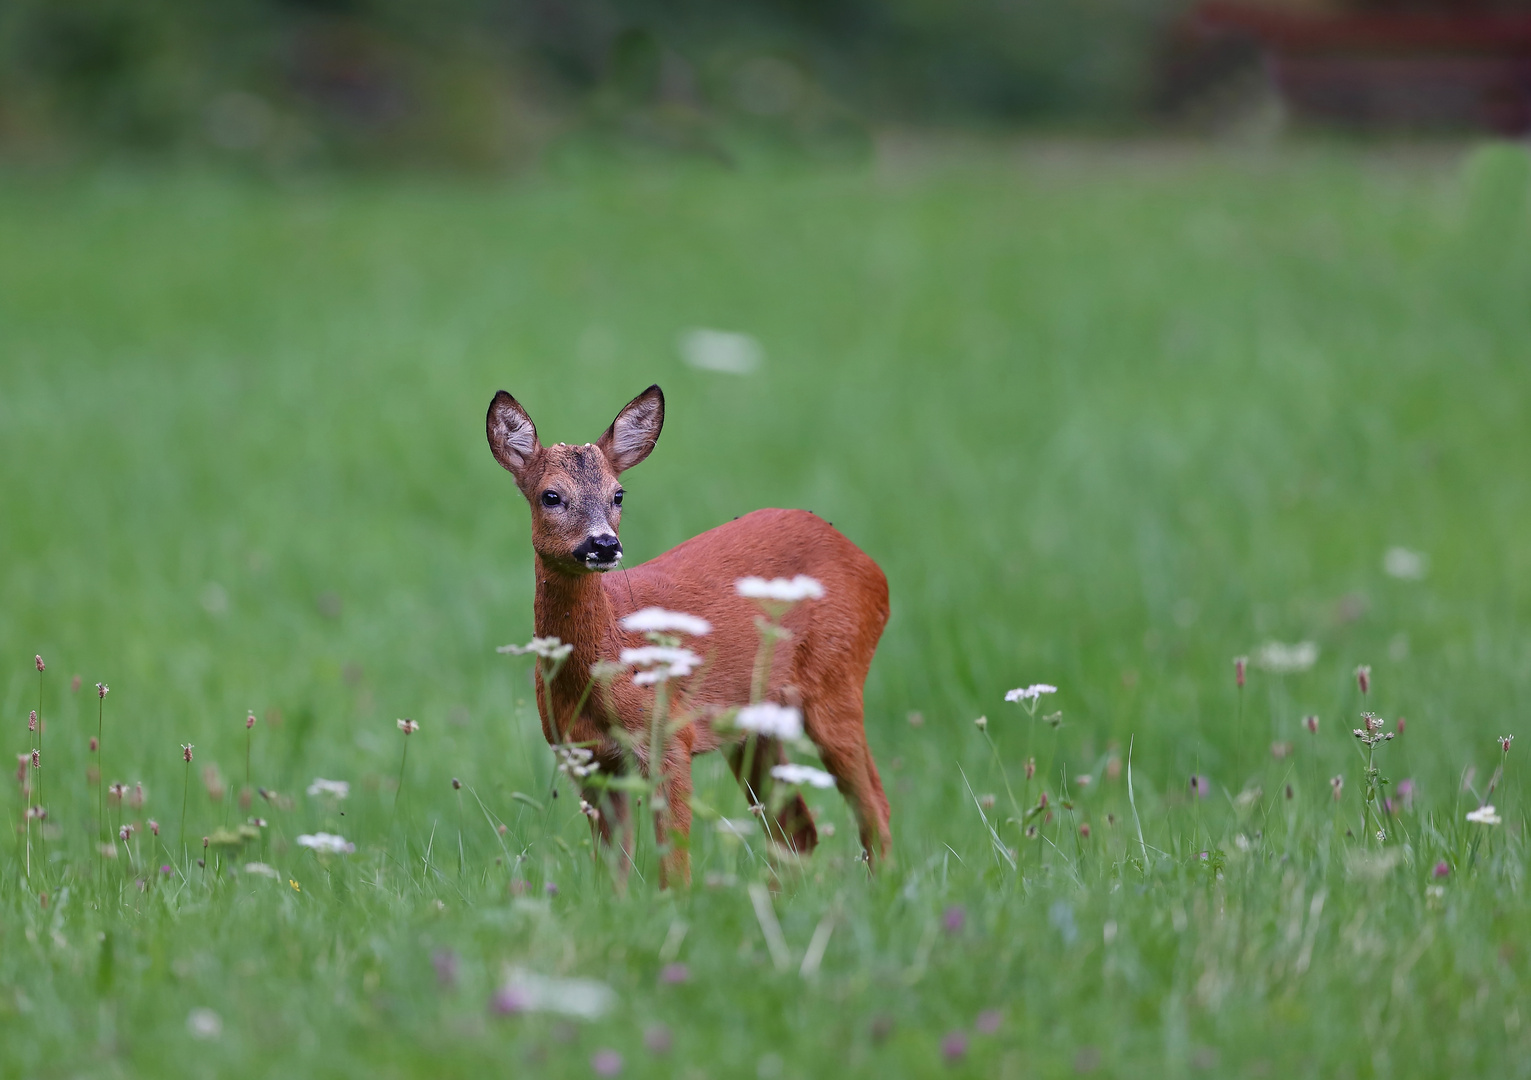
512, 435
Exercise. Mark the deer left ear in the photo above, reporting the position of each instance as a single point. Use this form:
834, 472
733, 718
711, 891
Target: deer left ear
634, 432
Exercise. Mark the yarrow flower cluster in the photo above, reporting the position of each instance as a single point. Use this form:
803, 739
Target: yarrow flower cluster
336, 789
780, 590
656, 620
660, 663
327, 843
1030, 693
1484, 815
549, 648
792, 773
772, 720
576, 762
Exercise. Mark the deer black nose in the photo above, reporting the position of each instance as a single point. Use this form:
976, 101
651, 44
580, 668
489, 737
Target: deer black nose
599, 550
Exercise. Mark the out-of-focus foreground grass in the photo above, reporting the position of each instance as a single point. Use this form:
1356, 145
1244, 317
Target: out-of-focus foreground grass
1107, 419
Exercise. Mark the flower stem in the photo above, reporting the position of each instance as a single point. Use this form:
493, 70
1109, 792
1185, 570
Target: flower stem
185, 788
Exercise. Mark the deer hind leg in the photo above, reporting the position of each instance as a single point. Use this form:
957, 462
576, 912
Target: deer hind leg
791, 825
835, 724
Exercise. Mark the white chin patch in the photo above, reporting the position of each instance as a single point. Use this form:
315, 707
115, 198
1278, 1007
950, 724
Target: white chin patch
600, 567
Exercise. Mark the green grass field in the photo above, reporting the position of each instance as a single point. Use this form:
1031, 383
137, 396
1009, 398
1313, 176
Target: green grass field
1107, 419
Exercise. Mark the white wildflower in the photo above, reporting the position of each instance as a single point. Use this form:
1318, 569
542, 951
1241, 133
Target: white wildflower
792, 773
721, 350
1484, 815
782, 590
771, 719
584, 999
576, 762
661, 662
1030, 693
260, 868
327, 843
1284, 659
549, 648
338, 789
408, 727
204, 1024
1406, 565
656, 620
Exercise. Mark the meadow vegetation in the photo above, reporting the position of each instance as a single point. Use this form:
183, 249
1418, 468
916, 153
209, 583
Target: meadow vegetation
1108, 418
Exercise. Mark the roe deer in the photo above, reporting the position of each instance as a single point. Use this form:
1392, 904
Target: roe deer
576, 504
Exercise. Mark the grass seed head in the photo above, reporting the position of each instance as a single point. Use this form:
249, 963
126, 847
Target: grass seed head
1240, 663
102, 689
1364, 678
32, 720
1504, 743
1311, 723
40, 665
408, 727
1337, 784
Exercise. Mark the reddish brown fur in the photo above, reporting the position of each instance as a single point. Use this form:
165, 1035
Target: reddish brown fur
822, 667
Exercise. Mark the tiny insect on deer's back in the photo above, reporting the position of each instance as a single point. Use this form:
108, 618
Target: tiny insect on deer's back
576, 497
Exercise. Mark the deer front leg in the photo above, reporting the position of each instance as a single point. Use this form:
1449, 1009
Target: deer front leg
672, 821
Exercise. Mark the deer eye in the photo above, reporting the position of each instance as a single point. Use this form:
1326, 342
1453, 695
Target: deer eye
617, 498
550, 498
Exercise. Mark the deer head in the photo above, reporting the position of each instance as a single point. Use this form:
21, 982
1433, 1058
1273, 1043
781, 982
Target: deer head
574, 491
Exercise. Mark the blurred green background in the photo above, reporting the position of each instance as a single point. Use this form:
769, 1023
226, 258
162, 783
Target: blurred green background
1109, 407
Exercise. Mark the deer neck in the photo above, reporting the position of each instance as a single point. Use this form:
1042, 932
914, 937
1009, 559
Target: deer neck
575, 609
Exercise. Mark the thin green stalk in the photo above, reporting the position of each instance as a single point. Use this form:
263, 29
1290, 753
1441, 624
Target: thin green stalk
185, 788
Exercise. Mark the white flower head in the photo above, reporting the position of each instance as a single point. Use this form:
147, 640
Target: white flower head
204, 1024
327, 843
660, 663
584, 999
781, 590
1406, 565
1484, 815
770, 719
549, 648
260, 868
793, 773
1282, 659
336, 789
576, 762
1030, 693
721, 350
656, 620
409, 727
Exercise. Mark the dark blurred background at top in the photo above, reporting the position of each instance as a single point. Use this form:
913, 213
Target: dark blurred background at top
496, 83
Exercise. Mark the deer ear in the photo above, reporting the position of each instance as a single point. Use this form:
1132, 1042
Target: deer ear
512, 435
635, 430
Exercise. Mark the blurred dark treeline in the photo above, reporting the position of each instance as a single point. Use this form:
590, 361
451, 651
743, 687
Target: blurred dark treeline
493, 82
